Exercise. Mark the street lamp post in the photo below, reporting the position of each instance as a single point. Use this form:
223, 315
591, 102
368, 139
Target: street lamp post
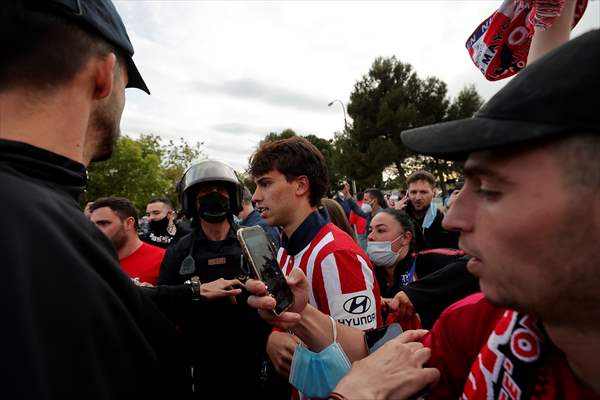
343, 109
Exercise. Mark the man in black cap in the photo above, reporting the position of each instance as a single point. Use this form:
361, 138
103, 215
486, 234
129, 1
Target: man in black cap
532, 154
532, 158
74, 324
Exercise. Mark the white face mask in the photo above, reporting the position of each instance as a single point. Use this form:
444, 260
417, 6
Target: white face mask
381, 254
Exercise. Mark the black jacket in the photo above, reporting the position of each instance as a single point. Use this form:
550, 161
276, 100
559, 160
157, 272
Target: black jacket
438, 290
225, 342
74, 324
426, 262
434, 237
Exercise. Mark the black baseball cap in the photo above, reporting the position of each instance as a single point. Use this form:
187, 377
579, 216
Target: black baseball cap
553, 97
102, 18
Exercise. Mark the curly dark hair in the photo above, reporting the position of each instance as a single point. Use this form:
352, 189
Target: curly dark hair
293, 157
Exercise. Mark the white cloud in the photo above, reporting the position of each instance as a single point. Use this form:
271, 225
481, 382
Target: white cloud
228, 73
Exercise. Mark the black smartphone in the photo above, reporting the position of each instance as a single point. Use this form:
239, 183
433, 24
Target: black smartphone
262, 259
375, 338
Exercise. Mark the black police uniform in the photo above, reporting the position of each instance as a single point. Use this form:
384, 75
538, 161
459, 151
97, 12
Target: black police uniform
225, 342
74, 325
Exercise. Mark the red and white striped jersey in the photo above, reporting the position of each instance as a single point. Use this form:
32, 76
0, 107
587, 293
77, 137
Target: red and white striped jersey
340, 276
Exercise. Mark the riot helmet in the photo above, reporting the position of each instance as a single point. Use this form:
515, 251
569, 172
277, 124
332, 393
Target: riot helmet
204, 173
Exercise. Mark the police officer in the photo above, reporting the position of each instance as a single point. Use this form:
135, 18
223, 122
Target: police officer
225, 339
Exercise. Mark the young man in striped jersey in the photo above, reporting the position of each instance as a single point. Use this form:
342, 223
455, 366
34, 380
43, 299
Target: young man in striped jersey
291, 178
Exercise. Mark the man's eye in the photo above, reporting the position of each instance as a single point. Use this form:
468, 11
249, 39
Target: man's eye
487, 194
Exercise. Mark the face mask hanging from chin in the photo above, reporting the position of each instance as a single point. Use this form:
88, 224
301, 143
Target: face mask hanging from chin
381, 253
317, 374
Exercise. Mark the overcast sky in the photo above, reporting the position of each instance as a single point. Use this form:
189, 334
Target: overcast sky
226, 73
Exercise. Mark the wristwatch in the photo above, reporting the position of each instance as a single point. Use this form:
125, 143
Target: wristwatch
194, 284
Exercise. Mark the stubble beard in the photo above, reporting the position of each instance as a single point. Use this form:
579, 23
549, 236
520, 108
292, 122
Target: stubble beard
119, 239
105, 122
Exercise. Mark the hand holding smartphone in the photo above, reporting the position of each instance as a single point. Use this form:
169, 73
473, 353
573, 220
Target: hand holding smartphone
264, 266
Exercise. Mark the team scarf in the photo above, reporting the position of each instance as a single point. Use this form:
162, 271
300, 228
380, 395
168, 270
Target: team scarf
511, 364
500, 45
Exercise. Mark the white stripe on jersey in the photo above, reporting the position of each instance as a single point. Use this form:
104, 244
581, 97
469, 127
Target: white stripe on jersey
331, 280
367, 273
310, 266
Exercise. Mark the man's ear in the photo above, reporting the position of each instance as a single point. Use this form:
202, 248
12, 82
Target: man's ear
104, 70
129, 223
303, 185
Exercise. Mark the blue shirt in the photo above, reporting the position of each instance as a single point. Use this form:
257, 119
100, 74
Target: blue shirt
254, 219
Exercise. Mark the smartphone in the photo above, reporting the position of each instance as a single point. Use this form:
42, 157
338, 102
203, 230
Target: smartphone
375, 338
262, 259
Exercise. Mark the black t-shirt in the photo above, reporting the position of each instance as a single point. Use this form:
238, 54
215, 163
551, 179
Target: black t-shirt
73, 323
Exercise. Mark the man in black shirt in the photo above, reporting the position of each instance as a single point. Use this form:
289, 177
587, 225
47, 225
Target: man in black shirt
163, 228
74, 323
419, 205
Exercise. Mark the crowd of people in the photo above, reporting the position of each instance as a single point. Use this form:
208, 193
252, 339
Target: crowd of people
497, 295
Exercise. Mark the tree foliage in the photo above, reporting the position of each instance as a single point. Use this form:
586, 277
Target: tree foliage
391, 98
141, 169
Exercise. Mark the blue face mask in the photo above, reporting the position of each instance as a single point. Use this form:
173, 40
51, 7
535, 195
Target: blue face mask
381, 253
317, 374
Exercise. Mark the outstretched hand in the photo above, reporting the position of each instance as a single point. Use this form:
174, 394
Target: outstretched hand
265, 304
221, 288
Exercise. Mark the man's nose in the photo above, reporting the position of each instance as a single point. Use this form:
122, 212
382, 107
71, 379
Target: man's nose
460, 216
255, 196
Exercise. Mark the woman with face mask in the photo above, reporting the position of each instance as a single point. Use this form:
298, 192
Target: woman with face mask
391, 249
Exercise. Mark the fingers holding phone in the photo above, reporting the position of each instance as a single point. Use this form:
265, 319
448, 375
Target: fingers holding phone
261, 300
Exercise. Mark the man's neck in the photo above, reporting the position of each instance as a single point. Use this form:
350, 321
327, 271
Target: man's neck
301, 213
130, 247
217, 231
58, 123
420, 214
581, 348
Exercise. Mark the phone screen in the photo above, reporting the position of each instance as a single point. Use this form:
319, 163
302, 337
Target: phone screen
267, 267
376, 338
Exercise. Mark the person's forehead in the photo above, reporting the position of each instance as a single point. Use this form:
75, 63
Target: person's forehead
384, 219
419, 184
156, 206
273, 174
490, 162
103, 214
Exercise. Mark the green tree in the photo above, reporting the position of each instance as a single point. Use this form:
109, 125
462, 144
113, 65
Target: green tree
274, 136
141, 169
391, 98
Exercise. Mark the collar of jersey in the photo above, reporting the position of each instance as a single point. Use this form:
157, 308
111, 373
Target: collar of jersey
306, 232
